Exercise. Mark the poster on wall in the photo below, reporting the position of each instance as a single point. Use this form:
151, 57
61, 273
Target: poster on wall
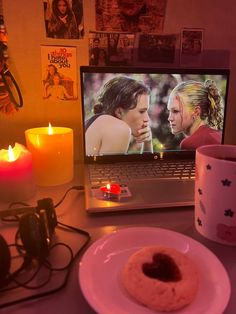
156, 48
59, 73
191, 45
130, 15
63, 18
111, 48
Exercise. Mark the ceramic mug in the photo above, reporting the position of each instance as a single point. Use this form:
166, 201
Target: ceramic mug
215, 193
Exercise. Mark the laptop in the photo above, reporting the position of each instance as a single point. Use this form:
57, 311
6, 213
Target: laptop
130, 177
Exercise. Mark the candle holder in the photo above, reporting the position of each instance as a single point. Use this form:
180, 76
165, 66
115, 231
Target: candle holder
111, 191
52, 154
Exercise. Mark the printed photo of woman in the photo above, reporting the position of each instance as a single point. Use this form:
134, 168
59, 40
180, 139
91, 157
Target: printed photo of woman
64, 19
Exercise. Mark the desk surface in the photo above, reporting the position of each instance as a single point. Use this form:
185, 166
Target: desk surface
71, 212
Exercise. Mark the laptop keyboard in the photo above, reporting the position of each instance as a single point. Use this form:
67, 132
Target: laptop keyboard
123, 173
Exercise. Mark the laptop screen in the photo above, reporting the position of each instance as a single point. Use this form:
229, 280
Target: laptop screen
148, 112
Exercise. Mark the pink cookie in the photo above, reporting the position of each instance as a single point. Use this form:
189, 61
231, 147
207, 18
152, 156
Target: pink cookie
161, 278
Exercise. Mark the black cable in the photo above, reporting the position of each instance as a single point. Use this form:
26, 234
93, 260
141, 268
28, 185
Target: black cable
6, 72
46, 262
70, 260
14, 215
11, 276
25, 284
44, 294
81, 231
76, 187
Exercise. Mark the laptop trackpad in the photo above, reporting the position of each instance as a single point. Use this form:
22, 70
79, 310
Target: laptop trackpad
163, 192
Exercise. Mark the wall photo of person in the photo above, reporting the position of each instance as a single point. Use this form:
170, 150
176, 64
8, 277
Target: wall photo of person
113, 49
130, 15
97, 54
64, 19
157, 48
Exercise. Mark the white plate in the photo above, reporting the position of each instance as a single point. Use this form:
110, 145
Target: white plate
101, 264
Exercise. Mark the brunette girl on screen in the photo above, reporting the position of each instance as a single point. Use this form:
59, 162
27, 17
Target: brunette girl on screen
121, 115
195, 109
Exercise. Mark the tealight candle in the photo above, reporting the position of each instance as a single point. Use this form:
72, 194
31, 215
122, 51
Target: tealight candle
16, 174
52, 153
111, 191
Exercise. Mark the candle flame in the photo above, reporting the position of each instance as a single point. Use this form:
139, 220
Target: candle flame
50, 130
108, 186
11, 155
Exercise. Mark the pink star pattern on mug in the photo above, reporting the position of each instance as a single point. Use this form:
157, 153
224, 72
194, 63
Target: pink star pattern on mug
229, 212
199, 222
200, 191
226, 182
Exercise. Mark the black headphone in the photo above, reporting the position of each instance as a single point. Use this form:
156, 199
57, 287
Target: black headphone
35, 231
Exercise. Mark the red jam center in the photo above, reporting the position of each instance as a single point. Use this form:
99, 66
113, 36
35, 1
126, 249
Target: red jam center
163, 268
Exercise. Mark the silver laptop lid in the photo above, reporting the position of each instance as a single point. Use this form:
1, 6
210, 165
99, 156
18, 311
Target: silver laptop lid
113, 96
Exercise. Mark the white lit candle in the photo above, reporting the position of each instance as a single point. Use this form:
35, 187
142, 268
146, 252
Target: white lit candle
16, 174
52, 153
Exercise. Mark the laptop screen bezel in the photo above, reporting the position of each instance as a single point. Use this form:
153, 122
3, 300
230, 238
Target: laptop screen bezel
162, 155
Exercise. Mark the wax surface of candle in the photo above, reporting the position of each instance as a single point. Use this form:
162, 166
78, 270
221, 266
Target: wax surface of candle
16, 174
52, 154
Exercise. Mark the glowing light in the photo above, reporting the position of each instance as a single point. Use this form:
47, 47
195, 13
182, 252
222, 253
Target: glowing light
50, 130
11, 156
108, 186
161, 153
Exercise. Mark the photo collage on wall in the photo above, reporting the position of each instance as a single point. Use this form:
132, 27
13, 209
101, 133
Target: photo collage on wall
63, 19
127, 32
130, 32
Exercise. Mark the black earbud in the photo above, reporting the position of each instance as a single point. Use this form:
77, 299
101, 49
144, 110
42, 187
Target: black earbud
34, 234
47, 205
35, 231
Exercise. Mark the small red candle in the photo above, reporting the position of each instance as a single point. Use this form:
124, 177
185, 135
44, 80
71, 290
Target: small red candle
111, 191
